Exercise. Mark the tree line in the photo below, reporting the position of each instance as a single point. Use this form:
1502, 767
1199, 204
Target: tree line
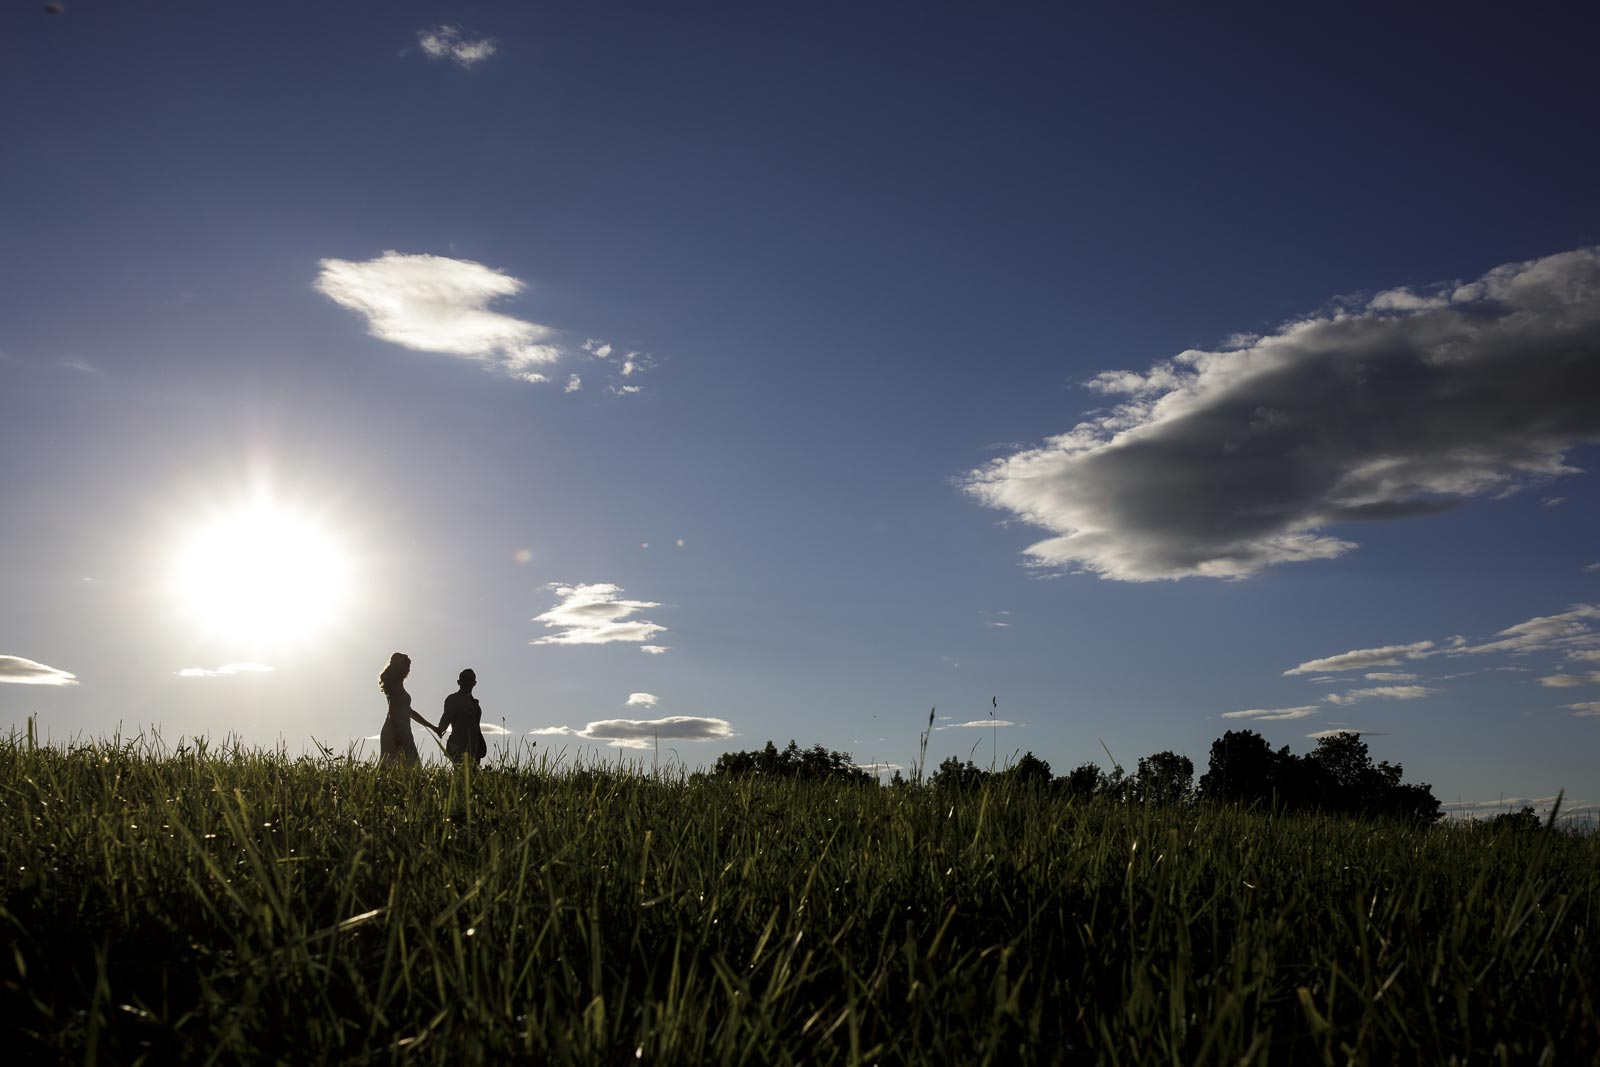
1337, 776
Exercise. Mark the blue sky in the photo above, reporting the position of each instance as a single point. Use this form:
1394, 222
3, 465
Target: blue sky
880, 311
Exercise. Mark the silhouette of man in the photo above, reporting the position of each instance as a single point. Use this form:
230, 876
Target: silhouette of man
462, 714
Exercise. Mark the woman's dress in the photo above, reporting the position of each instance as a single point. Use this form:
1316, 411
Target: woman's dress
396, 745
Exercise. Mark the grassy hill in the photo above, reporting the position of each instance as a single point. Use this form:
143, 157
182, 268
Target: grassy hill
240, 904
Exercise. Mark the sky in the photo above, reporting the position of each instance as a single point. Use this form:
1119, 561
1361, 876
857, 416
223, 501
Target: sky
705, 375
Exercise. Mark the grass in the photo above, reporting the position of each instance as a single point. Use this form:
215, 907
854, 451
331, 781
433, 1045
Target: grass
214, 906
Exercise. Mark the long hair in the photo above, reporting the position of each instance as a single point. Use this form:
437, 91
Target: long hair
394, 674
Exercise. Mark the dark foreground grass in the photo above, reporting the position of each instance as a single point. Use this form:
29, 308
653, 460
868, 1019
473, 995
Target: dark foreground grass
248, 906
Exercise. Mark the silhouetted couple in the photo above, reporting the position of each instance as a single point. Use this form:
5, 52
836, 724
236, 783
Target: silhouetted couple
462, 715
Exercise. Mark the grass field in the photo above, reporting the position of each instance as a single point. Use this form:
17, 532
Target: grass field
194, 907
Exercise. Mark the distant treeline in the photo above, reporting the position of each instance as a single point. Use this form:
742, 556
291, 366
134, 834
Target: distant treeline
1338, 776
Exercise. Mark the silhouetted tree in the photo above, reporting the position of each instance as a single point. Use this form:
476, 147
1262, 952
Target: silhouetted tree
1243, 769
954, 775
1521, 821
1337, 776
1029, 770
1163, 778
810, 764
1084, 780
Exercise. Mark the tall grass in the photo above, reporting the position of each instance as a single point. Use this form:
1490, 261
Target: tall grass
211, 906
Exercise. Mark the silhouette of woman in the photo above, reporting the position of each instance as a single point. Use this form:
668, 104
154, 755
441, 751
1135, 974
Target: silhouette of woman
462, 714
396, 745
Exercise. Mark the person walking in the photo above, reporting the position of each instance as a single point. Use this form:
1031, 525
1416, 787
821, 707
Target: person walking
396, 745
463, 715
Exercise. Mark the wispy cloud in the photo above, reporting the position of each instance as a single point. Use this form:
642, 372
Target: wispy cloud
654, 650
494, 729
1553, 501
1585, 709
1389, 676
447, 42
1570, 629
1358, 658
1570, 681
1592, 568
437, 304
1273, 714
597, 349
1219, 464
642, 700
224, 671
1570, 810
574, 383
1338, 730
644, 733
16, 670
596, 614
1381, 692
976, 723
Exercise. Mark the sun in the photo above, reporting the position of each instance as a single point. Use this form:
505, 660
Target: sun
261, 576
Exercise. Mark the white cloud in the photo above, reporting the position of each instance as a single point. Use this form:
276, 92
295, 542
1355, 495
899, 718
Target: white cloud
1570, 681
1358, 658
1218, 464
1389, 676
654, 650
643, 733
1554, 501
493, 728
437, 304
1381, 692
1405, 300
15, 670
1586, 708
633, 363
1273, 714
446, 42
1590, 656
595, 614
642, 700
975, 723
224, 671
1337, 730
1592, 568
574, 383
1567, 630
